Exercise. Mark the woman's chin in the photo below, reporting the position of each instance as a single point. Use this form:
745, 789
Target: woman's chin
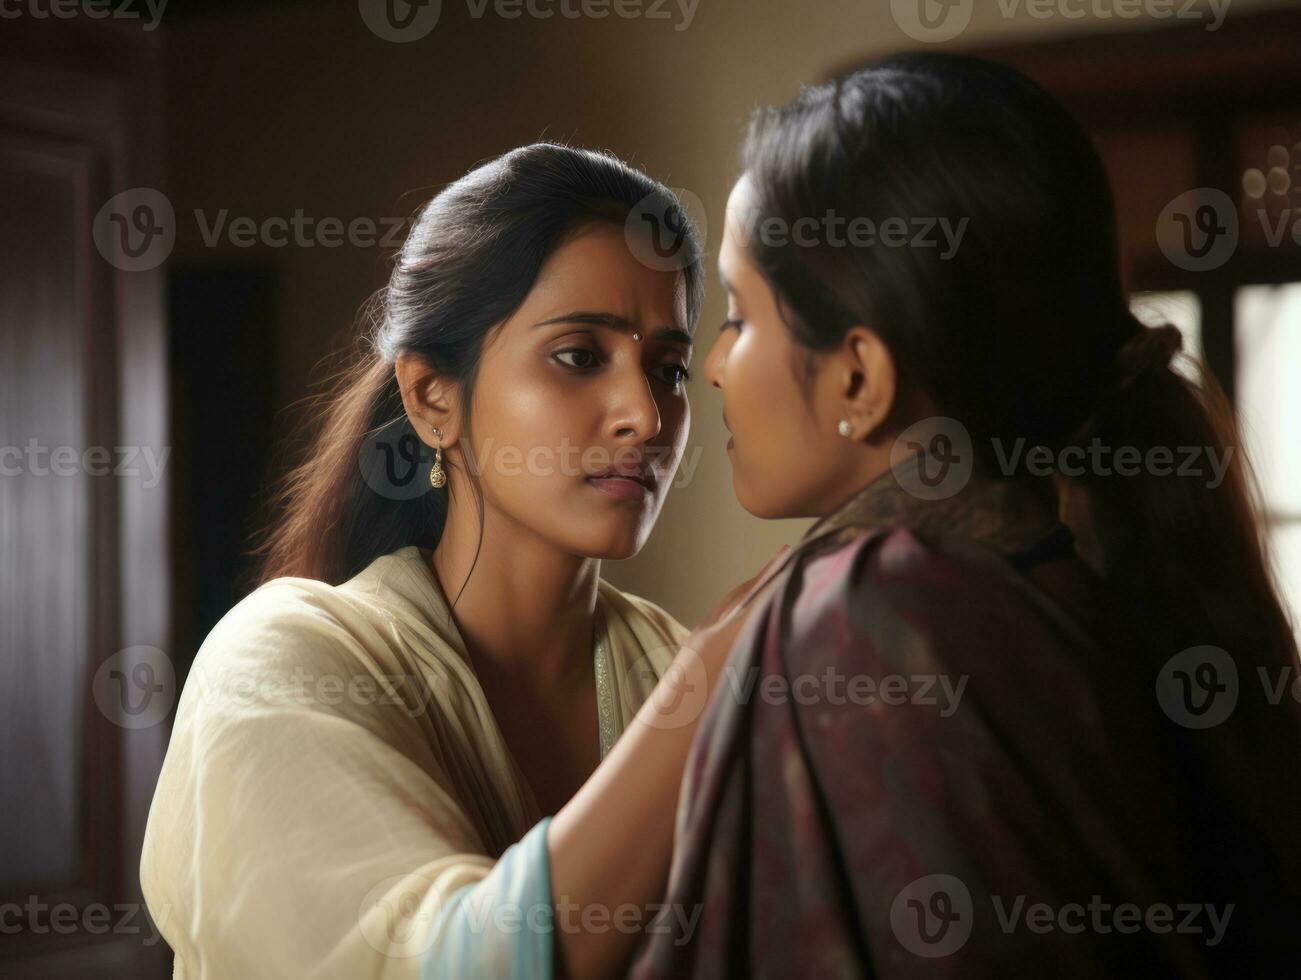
614, 544
760, 502
614, 552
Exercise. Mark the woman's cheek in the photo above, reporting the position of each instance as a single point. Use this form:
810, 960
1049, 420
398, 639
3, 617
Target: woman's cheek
741, 372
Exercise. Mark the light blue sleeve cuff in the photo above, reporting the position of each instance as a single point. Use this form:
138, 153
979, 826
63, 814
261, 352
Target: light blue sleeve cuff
502, 926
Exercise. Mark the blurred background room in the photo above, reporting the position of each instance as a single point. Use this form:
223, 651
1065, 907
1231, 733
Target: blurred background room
198, 198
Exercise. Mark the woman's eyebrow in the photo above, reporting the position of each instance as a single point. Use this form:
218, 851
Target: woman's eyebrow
616, 322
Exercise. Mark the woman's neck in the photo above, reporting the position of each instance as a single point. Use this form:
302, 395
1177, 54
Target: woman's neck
526, 611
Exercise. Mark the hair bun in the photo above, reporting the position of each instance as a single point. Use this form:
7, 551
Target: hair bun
1149, 351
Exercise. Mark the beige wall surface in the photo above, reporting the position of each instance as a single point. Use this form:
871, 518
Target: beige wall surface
302, 107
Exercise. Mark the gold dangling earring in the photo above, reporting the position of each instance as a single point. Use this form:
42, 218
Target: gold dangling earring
438, 476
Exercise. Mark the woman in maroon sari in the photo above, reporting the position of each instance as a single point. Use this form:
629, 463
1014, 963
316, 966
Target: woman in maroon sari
1020, 702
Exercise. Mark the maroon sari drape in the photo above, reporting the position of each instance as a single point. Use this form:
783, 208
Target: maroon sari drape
998, 791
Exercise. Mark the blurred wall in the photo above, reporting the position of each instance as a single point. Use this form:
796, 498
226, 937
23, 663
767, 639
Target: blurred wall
301, 106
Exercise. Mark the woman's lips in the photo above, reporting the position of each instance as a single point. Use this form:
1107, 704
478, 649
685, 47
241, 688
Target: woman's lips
620, 487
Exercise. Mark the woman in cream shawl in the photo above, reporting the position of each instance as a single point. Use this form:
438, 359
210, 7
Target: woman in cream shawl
335, 774
371, 748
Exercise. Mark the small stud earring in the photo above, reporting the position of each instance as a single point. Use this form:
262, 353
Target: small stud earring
846, 428
438, 476
636, 336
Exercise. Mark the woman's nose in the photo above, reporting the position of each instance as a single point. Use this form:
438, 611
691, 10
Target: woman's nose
636, 415
714, 362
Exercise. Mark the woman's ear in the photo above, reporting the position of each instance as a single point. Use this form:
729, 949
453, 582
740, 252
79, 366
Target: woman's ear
431, 402
867, 381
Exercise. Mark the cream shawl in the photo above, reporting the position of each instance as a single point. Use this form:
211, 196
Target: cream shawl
335, 774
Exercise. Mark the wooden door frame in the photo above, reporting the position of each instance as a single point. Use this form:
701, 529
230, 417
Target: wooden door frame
90, 92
